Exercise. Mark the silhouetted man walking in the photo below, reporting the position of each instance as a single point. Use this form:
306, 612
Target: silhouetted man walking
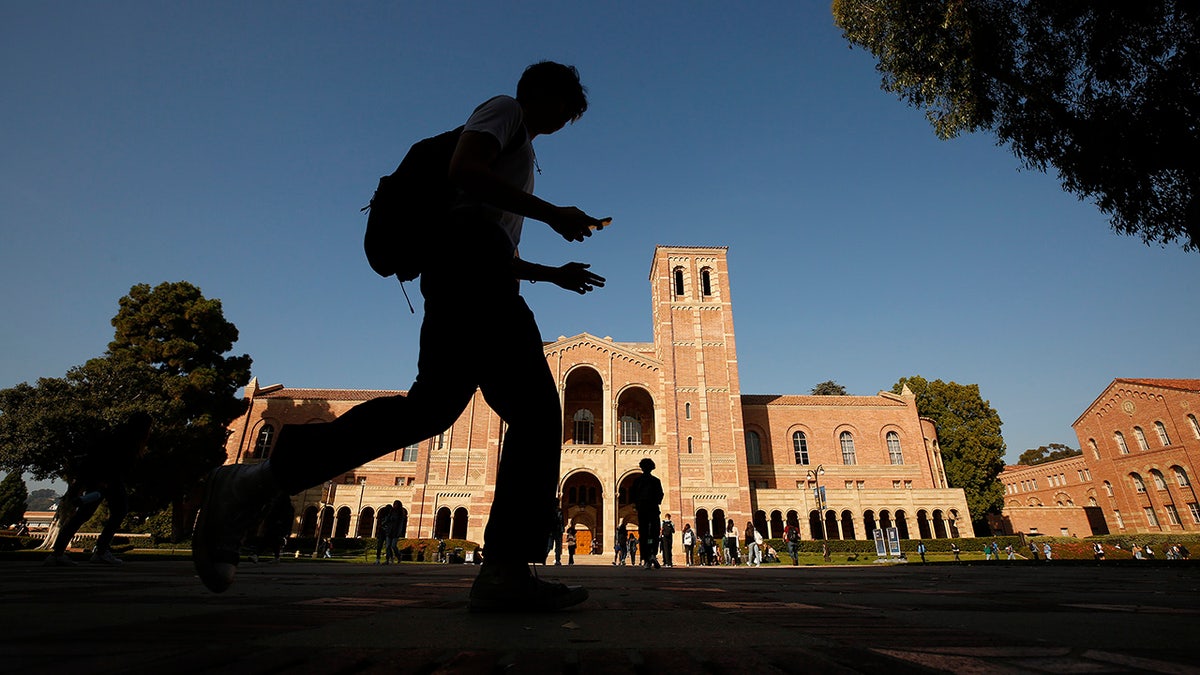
477, 333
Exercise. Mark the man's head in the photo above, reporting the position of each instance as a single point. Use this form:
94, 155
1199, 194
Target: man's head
647, 465
551, 95
396, 504
668, 516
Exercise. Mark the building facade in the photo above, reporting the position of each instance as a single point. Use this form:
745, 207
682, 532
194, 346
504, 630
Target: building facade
1140, 440
721, 454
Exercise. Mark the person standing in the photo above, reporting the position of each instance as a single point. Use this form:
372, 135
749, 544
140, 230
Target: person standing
921, 550
471, 284
571, 541
647, 494
754, 542
689, 545
731, 544
395, 526
558, 533
1048, 551
619, 543
667, 541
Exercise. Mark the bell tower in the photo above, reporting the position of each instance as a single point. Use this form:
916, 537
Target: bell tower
694, 338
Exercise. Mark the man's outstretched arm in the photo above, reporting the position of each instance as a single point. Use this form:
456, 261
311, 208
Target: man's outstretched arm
573, 276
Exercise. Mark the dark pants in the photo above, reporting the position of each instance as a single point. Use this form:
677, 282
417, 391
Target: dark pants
665, 545
648, 529
477, 333
390, 547
113, 492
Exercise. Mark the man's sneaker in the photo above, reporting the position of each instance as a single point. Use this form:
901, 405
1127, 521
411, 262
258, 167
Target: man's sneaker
521, 591
106, 558
236, 497
59, 561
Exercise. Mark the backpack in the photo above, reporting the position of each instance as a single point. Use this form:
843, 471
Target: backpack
410, 202
405, 206
793, 535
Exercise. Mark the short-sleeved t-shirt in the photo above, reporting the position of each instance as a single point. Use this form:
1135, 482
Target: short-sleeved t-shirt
501, 117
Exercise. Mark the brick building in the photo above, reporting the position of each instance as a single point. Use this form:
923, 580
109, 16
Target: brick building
1140, 440
721, 454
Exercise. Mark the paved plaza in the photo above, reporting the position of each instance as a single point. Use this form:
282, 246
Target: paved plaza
336, 617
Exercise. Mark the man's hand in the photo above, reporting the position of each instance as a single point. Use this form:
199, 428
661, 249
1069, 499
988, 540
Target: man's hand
573, 224
575, 276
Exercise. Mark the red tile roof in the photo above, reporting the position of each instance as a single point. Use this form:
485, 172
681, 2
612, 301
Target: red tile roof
1184, 384
808, 400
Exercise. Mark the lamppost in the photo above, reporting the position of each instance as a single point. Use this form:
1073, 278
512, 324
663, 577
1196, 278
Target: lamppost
814, 476
326, 498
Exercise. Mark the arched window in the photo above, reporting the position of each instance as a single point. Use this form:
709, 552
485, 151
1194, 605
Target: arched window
262, 446
678, 281
753, 448
705, 282
1159, 482
689, 445
848, 456
631, 431
585, 426
1108, 488
1138, 483
687, 411
1141, 438
1162, 434
800, 447
1094, 447
1121, 445
1195, 425
1181, 476
893, 443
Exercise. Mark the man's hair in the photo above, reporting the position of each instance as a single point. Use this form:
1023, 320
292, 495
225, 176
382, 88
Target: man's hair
555, 80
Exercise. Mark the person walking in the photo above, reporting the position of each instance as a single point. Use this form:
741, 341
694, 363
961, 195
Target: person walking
921, 550
1047, 551
647, 495
791, 534
99, 475
667, 541
470, 283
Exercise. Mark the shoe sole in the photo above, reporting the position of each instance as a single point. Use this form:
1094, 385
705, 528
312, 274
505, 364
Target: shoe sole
202, 558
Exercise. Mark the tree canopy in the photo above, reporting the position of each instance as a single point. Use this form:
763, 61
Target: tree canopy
1105, 93
166, 359
1047, 453
13, 499
828, 388
972, 447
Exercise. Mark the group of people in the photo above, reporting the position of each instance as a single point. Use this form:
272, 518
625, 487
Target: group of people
1174, 552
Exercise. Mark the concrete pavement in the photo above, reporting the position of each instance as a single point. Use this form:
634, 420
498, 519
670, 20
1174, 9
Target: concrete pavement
336, 617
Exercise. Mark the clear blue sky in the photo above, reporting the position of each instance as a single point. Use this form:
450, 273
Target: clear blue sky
231, 144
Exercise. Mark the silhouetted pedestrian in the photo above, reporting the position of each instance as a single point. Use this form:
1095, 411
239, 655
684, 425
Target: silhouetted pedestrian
99, 475
470, 281
647, 495
667, 541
